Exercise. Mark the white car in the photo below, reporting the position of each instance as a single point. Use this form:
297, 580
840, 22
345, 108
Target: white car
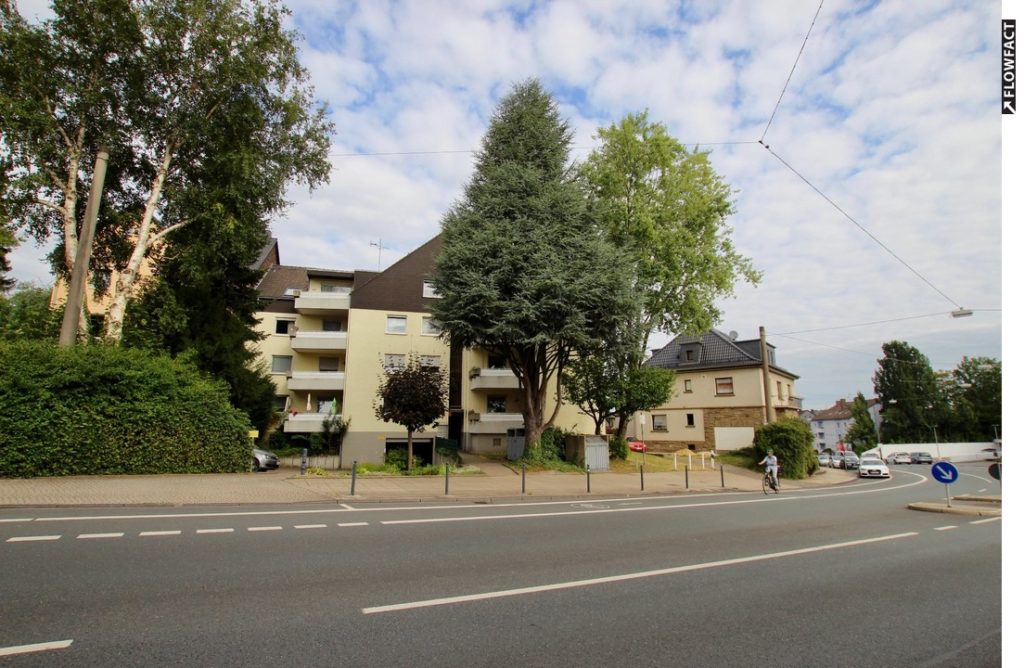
899, 458
873, 468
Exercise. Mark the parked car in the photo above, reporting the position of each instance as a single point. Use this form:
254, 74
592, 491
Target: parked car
824, 458
850, 461
921, 458
836, 460
899, 458
993, 454
636, 445
262, 460
873, 468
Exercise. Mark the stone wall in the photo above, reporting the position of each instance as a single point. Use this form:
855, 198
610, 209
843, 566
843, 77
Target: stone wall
742, 416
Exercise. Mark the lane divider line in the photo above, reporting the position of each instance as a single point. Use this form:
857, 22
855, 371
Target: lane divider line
946, 528
986, 521
176, 532
36, 647
353, 524
28, 539
17, 519
449, 600
264, 528
116, 534
215, 530
310, 526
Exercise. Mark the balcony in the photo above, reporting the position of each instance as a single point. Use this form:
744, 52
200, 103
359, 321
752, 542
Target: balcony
312, 381
494, 423
322, 303
796, 403
319, 342
492, 379
305, 423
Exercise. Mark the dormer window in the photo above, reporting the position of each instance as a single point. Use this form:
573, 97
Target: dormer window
689, 355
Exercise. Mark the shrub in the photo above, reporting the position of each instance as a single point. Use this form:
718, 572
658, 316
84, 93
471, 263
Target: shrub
792, 441
103, 410
618, 448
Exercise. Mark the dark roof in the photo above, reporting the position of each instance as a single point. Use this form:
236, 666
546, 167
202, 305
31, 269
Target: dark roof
269, 256
841, 410
711, 350
400, 286
280, 278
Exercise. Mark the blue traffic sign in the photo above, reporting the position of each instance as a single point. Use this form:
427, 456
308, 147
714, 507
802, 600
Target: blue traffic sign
945, 473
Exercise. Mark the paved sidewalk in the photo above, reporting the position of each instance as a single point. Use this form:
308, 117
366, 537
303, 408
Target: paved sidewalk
495, 482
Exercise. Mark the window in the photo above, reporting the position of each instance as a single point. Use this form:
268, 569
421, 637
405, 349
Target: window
659, 423
428, 290
334, 287
394, 361
496, 362
282, 326
329, 364
778, 389
430, 361
281, 364
689, 355
332, 326
430, 327
723, 385
496, 403
396, 324
690, 420
280, 402
688, 386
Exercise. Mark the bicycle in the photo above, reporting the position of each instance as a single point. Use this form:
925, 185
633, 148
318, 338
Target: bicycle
770, 482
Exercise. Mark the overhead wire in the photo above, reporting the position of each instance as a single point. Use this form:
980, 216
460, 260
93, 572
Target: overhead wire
793, 69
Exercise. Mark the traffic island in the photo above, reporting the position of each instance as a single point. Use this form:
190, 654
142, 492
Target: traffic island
972, 510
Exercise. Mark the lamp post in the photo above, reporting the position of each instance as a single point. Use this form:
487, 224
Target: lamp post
935, 433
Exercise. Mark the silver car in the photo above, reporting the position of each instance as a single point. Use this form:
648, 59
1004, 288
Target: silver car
263, 460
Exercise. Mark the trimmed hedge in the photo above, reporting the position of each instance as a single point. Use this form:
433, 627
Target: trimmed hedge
793, 443
103, 410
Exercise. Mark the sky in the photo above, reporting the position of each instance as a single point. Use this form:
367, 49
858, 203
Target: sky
872, 203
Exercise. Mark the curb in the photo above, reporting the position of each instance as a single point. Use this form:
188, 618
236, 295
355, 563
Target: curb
956, 510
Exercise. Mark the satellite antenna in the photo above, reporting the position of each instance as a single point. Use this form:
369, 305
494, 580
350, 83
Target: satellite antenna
733, 334
379, 244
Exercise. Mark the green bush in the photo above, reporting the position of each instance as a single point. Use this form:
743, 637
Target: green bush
793, 443
89, 410
618, 448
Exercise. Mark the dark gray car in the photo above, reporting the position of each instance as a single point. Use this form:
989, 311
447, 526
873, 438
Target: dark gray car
921, 458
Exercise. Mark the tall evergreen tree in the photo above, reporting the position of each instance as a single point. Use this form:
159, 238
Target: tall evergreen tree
523, 272
861, 434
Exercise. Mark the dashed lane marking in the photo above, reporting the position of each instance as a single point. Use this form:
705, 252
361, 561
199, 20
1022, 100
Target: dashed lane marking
310, 526
353, 524
265, 528
215, 530
116, 534
991, 519
946, 528
17, 519
28, 539
160, 533
37, 647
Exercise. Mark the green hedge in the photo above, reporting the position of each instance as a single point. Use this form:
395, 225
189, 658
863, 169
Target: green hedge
104, 410
793, 443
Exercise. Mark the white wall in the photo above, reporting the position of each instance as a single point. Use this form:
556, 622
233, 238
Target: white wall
954, 452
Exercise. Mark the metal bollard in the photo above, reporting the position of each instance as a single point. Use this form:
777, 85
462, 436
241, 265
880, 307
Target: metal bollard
641, 477
687, 476
523, 475
721, 470
355, 465
446, 479
588, 478
304, 461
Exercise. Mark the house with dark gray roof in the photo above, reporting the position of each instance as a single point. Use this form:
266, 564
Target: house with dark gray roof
725, 389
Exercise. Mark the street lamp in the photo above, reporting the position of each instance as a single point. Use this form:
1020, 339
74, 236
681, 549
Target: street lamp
935, 433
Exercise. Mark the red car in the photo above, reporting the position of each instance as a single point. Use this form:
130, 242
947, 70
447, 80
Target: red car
636, 445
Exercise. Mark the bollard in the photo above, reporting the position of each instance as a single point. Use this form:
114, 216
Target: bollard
355, 464
675, 461
588, 478
304, 462
721, 470
687, 476
702, 467
641, 478
524, 477
446, 479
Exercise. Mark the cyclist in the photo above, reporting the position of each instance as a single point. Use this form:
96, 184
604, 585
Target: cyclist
771, 466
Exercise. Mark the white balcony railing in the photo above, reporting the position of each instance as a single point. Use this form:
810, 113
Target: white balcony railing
305, 381
305, 423
492, 379
494, 423
317, 342
316, 303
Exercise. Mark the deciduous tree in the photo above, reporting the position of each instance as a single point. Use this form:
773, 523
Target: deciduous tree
412, 396
861, 434
906, 386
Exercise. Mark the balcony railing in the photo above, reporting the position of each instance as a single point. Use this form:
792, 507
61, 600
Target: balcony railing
318, 342
318, 303
304, 381
789, 402
305, 423
494, 423
492, 379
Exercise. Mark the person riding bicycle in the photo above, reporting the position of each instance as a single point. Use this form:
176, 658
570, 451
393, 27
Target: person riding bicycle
771, 466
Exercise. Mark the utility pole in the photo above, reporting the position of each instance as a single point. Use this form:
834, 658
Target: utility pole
79, 272
769, 410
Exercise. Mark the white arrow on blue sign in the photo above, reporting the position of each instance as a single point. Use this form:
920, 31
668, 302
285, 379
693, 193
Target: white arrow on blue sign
945, 473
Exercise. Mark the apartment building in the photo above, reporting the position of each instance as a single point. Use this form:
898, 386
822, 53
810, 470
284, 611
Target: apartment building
331, 334
724, 390
831, 424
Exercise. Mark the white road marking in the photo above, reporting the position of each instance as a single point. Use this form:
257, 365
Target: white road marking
37, 647
991, 519
983, 489
118, 534
947, 528
214, 530
310, 526
346, 506
160, 533
17, 519
624, 577
26, 539
353, 524
264, 528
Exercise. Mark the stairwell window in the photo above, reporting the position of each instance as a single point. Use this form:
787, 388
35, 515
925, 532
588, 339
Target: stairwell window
430, 327
281, 364
395, 324
723, 386
394, 362
430, 361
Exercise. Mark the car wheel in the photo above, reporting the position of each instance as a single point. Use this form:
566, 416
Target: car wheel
255, 464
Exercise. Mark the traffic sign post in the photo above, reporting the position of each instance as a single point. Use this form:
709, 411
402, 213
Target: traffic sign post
947, 474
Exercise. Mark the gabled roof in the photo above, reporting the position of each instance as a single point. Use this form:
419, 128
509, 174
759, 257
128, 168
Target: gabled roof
711, 350
841, 410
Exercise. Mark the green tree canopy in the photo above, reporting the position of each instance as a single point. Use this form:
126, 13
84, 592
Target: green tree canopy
861, 434
26, 315
203, 103
412, 396
523, 272
906, 386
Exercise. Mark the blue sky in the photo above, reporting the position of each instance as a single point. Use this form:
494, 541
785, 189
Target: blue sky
892, 112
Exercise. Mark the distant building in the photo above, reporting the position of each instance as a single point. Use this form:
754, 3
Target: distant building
831, 424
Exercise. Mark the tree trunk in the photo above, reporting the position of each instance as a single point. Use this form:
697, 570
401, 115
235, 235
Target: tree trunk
408, 464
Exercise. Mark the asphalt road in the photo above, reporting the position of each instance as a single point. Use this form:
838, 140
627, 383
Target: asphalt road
846, 576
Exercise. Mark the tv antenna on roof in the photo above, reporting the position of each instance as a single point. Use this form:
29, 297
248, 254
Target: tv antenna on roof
379, 243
